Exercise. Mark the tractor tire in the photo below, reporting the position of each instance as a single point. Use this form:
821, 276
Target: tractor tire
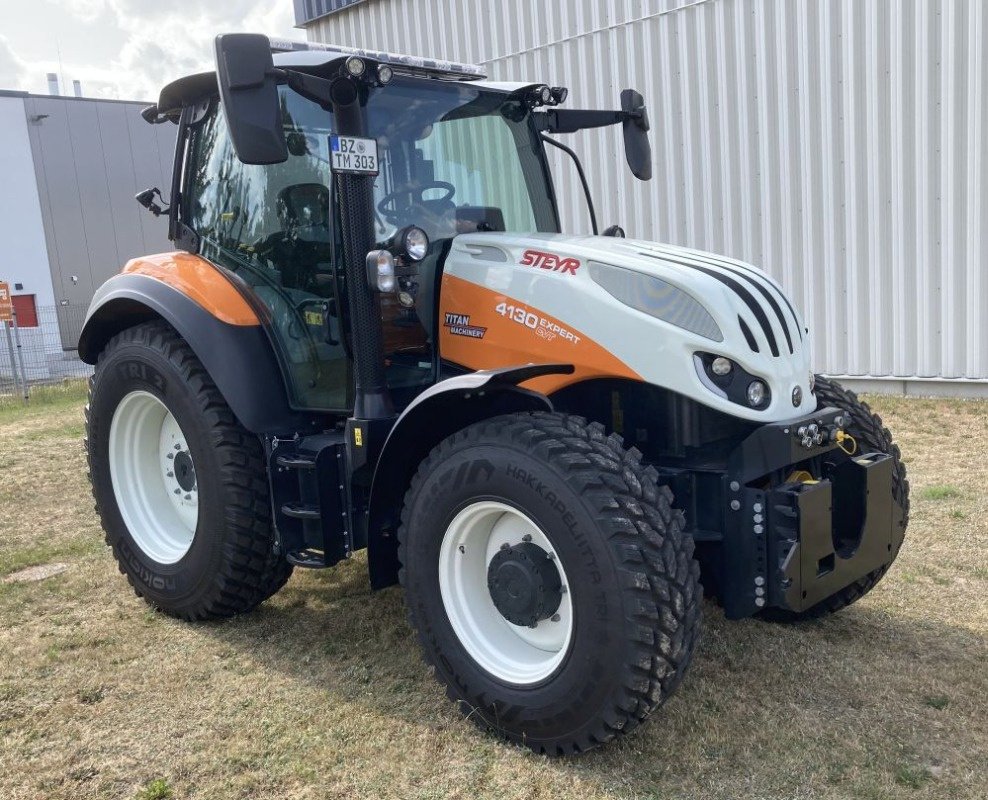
180, 486
872, 436
549, 580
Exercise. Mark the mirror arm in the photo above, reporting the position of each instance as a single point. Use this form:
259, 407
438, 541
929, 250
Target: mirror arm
583, 178
571, 120
309, 86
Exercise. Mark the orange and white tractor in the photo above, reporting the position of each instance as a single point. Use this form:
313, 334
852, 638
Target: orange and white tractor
374, 334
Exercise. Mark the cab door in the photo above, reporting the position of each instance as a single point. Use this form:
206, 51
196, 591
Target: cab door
272, 226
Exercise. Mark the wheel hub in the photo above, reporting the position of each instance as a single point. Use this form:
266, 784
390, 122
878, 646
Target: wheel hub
524, 584
185, 471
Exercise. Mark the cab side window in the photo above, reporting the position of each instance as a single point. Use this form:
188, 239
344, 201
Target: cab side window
273, 226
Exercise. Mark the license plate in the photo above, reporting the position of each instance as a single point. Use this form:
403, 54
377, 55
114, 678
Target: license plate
353, 155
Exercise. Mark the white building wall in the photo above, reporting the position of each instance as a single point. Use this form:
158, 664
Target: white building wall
840, 144
25, 255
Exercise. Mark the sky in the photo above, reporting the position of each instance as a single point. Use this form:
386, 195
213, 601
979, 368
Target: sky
124, 49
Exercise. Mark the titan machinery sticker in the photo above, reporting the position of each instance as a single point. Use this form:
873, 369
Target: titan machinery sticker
459, 325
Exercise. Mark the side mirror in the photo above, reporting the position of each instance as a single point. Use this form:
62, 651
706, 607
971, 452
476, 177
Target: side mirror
637, 149
249, 93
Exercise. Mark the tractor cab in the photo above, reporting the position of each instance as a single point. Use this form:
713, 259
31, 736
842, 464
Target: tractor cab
447, 153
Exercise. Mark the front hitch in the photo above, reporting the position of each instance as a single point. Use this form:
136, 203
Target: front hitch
792, 539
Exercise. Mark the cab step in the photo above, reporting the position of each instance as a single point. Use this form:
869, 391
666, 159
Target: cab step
301, 511
310, 499
296, 461
308, 559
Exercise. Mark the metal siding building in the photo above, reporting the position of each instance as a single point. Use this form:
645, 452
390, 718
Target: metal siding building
839, 144
72, 167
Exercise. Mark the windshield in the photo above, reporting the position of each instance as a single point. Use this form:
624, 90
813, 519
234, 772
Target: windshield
455, 159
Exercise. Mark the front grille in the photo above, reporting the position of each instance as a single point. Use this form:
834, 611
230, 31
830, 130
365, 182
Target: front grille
740, 279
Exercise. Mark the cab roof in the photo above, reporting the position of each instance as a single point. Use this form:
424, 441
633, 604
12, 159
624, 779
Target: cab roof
317, 58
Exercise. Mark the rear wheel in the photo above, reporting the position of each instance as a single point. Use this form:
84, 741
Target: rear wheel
872, 436
180, 486
549, 580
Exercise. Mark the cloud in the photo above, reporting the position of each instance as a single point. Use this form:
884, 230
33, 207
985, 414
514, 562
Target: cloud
161, 42
11, 66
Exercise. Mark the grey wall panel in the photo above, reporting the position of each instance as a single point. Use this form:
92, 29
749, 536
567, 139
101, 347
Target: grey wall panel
840, 144
91, 157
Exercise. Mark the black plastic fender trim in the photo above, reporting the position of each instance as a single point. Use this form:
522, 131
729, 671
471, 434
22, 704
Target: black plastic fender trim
436, 413
239, 358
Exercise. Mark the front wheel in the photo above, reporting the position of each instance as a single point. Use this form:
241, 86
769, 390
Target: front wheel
549, 580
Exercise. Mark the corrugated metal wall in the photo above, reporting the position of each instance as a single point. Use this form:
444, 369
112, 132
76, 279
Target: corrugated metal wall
839, 144
90, 158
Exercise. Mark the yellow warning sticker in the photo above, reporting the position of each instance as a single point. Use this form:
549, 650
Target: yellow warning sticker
358, 437
313, 318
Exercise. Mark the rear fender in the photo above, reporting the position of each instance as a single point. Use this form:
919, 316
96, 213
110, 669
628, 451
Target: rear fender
218, 324
438, 412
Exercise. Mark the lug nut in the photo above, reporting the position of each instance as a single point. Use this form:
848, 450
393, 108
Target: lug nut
527, 537
555, 618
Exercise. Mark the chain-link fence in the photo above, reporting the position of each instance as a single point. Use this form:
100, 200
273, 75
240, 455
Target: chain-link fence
33, 352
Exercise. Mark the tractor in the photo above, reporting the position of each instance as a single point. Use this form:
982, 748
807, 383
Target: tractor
373, 334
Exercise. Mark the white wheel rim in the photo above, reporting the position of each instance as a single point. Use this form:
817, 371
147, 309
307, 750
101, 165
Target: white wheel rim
512, 653
159, 503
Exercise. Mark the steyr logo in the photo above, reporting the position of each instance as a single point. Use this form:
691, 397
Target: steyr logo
550, 261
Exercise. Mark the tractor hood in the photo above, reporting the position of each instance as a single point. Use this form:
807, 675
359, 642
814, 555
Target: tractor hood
659, 311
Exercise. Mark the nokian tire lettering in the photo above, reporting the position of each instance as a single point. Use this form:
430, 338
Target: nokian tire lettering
634, 583
231, 565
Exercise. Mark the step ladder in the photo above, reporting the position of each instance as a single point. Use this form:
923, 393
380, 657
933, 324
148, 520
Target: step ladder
309, 494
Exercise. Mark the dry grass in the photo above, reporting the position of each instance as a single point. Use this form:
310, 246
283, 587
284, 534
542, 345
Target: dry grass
322, 693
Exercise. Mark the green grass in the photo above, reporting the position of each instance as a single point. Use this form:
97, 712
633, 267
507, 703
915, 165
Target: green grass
321, 692
49, 397
46, 552
913, 777
940, 492
158, 789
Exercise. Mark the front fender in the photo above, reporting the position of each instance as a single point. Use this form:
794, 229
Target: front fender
229, 341
438, 412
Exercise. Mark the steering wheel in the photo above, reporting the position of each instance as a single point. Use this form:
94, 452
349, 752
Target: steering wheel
388, 204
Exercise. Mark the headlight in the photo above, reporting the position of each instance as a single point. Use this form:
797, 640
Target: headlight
414, 243
381, 271
757, 394
657, 298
